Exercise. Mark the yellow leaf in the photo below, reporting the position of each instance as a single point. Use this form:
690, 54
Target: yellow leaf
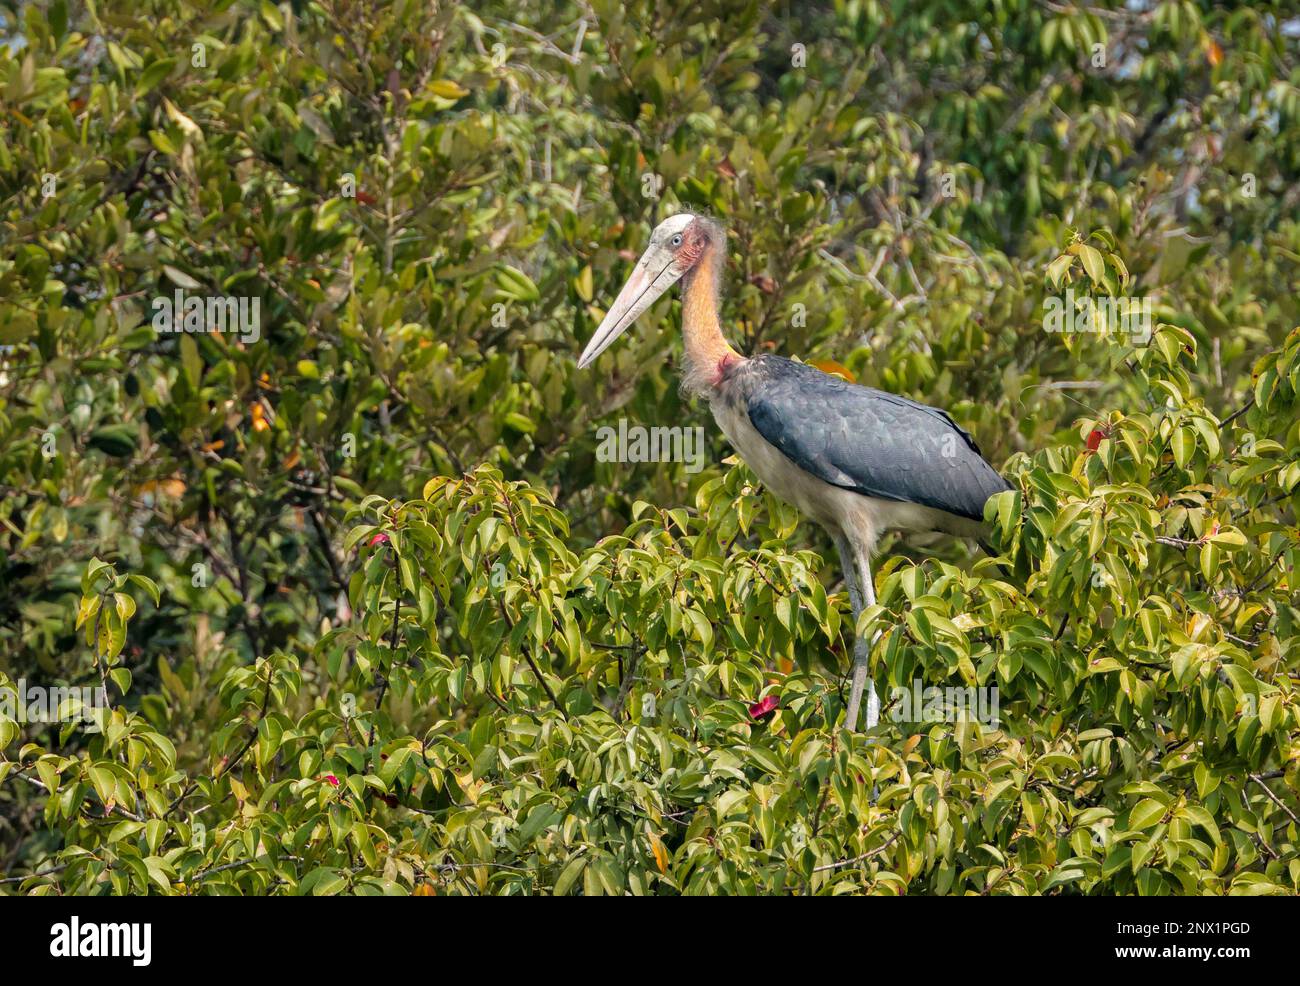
172, 487
470, 786
259, 418
1213, 52
835, 369
660, 853
1197, 625
188, 126
446, 89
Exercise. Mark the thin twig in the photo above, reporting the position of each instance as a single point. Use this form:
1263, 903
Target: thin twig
1274, 798
32, 876
858, 859
118, 809
1237, 413
625, 685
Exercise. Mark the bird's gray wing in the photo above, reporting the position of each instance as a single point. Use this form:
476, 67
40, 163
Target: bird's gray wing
866, 440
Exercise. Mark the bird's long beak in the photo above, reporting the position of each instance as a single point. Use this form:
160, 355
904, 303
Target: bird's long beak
654, 274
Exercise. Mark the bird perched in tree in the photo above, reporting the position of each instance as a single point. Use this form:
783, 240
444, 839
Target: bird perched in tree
856, 460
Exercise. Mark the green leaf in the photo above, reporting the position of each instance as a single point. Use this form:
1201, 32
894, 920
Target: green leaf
1184, 446
1145, 814
154, 74
569, 875
1058, 268
115, 440
147, 584
1093, 263
95, 570
181, 279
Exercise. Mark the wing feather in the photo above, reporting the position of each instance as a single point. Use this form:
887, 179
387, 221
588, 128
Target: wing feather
862, 439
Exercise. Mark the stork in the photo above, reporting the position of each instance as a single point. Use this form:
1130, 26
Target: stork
856, 460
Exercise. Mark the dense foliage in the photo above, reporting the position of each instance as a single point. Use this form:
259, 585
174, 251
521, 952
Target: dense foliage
370, 613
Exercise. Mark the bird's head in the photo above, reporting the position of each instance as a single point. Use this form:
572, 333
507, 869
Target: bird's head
676, 247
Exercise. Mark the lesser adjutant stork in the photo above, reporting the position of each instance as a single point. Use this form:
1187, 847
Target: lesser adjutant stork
858, 461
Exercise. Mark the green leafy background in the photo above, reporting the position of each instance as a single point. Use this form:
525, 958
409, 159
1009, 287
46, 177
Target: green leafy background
371, 615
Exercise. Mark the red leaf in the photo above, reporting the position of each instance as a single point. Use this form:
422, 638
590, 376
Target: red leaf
764, 706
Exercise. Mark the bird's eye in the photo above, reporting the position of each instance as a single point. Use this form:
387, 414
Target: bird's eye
677, 240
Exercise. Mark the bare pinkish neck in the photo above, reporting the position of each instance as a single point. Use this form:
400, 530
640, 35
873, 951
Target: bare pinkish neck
707, 352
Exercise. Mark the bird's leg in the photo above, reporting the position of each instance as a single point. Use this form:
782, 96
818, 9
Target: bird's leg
850, 572
868, 600
862, 594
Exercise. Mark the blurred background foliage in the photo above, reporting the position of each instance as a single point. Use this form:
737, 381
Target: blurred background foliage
544, 673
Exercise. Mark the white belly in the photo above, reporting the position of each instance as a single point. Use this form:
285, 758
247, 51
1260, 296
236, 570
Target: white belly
863, 518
